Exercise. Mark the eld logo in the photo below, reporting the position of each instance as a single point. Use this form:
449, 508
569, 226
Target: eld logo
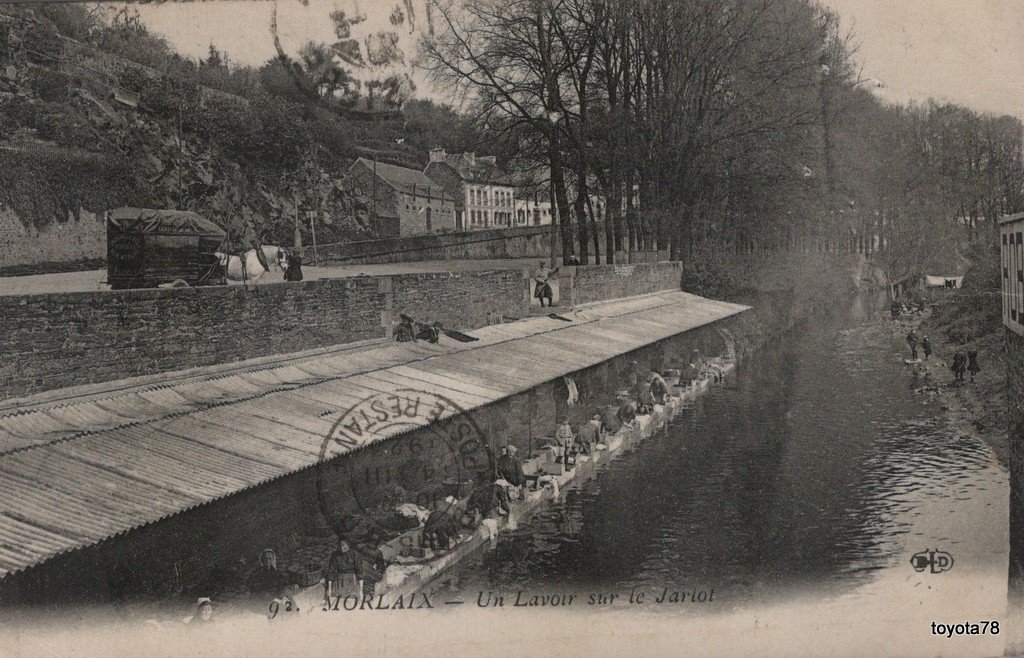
935, 561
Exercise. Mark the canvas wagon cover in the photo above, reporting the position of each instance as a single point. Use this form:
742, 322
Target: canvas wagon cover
940, 281
163, 222
148, 248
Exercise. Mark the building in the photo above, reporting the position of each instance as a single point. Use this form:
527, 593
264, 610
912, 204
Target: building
484, 193
405, 202
1011, 233
534, 203
1011, 275
533, 210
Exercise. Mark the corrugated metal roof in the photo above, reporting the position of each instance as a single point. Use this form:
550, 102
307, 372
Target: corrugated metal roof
74, 474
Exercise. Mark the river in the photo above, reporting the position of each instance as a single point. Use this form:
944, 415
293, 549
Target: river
814, 475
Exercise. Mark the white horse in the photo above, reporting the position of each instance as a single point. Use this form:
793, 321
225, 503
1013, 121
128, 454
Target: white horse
250, 269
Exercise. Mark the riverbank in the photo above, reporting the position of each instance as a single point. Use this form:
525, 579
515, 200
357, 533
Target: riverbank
973, 408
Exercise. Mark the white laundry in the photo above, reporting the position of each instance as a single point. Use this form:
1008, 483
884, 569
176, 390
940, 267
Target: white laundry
574, 393
490, 527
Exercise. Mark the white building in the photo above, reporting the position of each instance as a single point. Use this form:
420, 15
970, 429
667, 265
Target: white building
484, 193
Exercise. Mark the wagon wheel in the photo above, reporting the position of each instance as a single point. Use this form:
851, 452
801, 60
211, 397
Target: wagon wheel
180, 283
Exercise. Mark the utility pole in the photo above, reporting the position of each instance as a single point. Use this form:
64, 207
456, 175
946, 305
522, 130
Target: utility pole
312, 229
374, 219
181, 194
298, 232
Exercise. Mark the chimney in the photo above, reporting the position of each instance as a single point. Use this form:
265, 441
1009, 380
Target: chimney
438, 155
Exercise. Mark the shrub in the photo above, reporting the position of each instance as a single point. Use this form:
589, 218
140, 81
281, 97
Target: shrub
62, 125
284, 136
229, 124
51, 86
42, 185
72, 20
703, 275
976, 309
42, 43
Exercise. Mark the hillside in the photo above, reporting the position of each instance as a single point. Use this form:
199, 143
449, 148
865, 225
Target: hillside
91, 111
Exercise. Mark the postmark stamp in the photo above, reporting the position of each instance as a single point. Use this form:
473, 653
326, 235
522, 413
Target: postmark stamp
411, 450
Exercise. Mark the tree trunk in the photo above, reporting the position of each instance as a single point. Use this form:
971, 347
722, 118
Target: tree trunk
561, 198
595, 232
581, 211
610, 216
631, 226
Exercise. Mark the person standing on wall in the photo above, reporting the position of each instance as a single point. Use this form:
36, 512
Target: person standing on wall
542, 280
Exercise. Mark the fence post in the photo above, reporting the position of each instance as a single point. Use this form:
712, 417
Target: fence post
387, 313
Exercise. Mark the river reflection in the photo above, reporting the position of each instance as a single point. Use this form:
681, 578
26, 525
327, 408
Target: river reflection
817, 471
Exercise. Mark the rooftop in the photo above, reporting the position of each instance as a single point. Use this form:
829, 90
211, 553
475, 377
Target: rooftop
473, 168
78, 470
402, 179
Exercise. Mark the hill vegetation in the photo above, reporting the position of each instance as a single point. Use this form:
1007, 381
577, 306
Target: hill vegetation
704, 126
99, 112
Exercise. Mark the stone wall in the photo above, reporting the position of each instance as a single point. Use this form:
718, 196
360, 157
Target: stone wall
460, 299
53, 341
596, 282
59, 340
26, 249
521, 242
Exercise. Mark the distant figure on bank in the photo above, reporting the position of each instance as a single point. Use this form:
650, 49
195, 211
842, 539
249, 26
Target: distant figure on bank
294, 271
429, 332
440, 528
590, 435
266, 579
509, 467
972, 363
894, 308
487, 496
572, 261
542, 279
959, 366
405, 330
565, 437
203, 613
926, 346
627, 410
698, 365
346, 562
912, 341
688, 374
610, 422
659, 388
644, 396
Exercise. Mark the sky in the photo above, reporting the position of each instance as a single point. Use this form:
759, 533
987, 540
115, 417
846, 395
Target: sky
966, 51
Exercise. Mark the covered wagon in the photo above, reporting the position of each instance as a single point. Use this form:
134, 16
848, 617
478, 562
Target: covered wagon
147, 248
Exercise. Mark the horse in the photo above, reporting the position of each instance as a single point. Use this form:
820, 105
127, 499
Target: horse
250, 268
